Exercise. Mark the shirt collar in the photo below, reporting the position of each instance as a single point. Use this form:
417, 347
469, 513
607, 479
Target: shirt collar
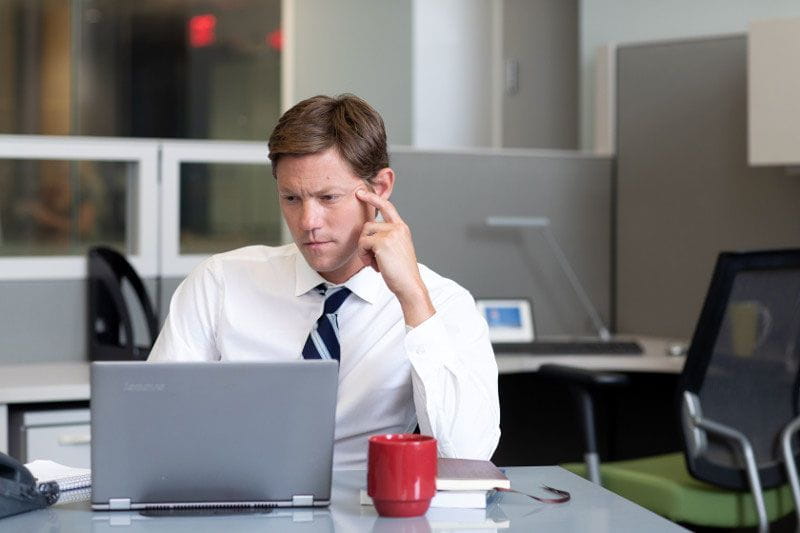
366, 283
305, 277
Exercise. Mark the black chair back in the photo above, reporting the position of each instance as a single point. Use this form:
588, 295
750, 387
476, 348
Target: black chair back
110, 328
742, 366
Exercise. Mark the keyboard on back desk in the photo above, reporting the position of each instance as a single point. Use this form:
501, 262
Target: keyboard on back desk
571, 347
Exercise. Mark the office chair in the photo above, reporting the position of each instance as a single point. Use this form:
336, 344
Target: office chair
109, 325
738, 400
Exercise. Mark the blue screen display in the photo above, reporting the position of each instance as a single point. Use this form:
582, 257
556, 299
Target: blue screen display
503, 317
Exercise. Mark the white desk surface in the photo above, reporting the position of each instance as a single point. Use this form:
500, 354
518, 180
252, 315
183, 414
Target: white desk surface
592, 509
57, 382
38, 383
44, 382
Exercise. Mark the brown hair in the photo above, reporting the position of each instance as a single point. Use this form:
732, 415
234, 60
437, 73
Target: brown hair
346, 122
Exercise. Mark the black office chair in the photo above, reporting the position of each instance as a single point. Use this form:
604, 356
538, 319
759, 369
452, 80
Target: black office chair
738, 401
109, 325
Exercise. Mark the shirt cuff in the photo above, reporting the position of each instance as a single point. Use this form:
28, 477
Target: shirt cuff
428, 346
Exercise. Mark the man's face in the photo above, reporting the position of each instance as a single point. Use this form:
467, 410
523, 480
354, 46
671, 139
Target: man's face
317, 197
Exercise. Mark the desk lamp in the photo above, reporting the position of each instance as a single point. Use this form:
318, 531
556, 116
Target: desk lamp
543, 224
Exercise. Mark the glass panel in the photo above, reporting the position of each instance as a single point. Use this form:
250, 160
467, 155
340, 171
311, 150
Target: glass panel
149, 68
64, 207
229, 206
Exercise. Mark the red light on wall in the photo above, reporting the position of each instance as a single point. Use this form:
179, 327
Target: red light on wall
202, 30
275, 40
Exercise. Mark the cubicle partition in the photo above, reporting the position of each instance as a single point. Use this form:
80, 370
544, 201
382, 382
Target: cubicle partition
184, 200
684, 188
446, 197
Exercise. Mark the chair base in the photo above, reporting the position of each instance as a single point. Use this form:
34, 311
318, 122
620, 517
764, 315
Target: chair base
663, 484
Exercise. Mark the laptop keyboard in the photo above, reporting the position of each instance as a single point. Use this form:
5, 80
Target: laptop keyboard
571, 347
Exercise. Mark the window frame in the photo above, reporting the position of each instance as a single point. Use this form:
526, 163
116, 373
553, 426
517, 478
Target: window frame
77, 148
173, 264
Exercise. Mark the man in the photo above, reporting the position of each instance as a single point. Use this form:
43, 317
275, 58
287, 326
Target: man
412, 347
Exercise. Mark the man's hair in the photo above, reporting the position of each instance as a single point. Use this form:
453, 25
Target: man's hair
345, 122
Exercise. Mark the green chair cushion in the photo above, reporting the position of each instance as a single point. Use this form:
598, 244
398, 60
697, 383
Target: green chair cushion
663, 484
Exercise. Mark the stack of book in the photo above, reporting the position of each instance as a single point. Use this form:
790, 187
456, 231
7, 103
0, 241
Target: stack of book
464, 491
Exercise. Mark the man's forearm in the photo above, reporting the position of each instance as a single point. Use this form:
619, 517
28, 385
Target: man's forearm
416, 305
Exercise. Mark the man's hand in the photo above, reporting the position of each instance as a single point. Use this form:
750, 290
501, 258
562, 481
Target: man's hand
387, 247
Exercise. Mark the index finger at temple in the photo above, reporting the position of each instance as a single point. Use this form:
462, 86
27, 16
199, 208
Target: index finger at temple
388, 210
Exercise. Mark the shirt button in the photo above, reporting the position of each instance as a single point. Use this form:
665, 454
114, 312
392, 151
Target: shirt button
420, 349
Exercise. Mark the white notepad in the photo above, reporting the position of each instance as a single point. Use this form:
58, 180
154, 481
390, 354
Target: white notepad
74, 484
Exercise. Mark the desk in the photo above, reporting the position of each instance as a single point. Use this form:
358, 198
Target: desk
654, 358
592, 509
62, 382
40, 383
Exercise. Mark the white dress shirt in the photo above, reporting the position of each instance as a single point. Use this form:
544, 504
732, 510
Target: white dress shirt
257, 303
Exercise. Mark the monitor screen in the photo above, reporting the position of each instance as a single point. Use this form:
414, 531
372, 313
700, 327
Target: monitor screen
509, 320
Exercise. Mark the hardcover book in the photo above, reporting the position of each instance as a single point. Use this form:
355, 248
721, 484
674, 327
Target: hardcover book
469, 474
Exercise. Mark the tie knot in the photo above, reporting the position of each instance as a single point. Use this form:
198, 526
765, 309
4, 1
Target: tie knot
334, 297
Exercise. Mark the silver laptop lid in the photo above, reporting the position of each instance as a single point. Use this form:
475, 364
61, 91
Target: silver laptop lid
207, 434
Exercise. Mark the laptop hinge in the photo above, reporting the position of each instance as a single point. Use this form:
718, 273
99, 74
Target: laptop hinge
119, 504
303, 500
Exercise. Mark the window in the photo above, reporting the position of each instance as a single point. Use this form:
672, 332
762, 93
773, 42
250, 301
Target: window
61, 207
215, 196
232, 205
59, 196
149, 68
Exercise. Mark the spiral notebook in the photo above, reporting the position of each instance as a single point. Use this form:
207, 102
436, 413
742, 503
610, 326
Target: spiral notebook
73, 484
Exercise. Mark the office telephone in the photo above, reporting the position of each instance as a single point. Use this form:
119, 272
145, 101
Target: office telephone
18, 489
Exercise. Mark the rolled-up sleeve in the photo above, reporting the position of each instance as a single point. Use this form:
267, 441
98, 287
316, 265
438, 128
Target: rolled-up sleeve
454, 377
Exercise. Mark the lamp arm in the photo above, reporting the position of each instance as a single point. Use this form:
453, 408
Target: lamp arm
602, 330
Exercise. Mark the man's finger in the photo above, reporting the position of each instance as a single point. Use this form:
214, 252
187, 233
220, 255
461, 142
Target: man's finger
371, 228
366, 243
365, 253
386, 208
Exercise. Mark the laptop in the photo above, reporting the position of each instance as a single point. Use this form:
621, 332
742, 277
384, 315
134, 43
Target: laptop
212, 435
312, 519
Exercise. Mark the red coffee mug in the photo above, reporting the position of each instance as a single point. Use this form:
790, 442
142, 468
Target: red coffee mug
401, 473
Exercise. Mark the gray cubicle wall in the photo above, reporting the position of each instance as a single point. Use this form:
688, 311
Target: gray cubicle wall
684, 189
445, 197
45, 320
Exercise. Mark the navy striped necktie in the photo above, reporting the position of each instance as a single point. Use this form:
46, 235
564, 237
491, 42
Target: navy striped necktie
323, 341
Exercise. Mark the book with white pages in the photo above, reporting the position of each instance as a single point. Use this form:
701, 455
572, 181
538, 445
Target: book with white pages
459, 499
469, 474
462, 483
